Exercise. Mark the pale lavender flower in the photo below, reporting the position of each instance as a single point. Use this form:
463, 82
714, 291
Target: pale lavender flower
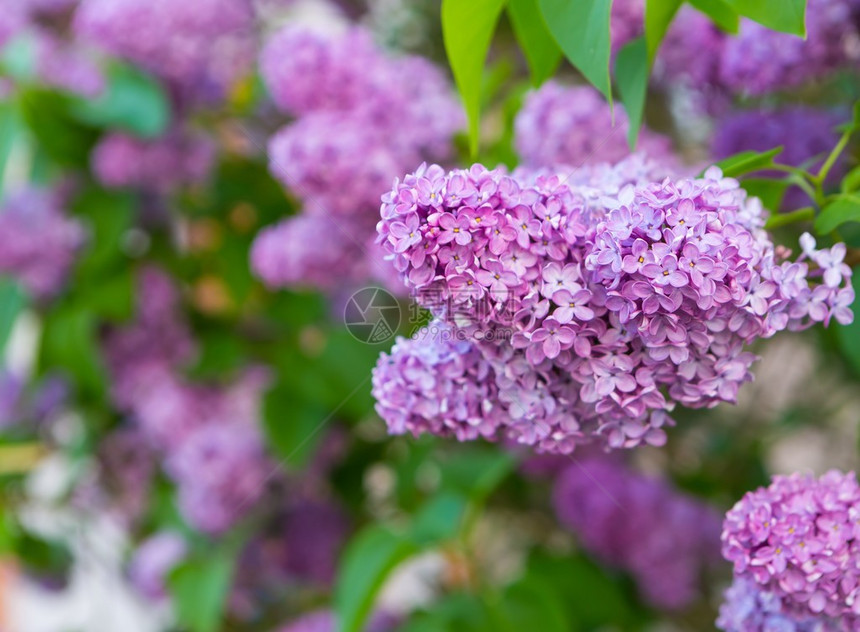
152, 562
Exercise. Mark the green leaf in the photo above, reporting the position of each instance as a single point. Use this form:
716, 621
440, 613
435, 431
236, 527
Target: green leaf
581, 29
631, 75
367, 561
293, 425
439, 519
108, 216
658, 16
845, 208
541, 52
467, 30
770, 192
132, 101
12, 301
720, 13
18, 57
851, 182
199, 589
748, 162
69, 343
58, 133
535, 603
787, 16
475, 471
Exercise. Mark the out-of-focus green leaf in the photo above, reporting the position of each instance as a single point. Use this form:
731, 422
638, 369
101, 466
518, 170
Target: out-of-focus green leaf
439, 519
631, 74
111, 297
367, 561
475, 471
459, 612
770, 192
748, 162
787, 16
720, 13
849, 335
845, 208
199, 588
581, 29
61, 136
467, 30
851, 182
18, 57
539, 47
658, 16
293, 425
108, 216
535, 603
69, 345
132, 101
12, 301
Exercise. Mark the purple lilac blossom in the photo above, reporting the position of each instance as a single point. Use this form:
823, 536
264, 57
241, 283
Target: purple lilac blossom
11, 393
574, 126
199, 47
126, 470
663, 538
798, 539
807, 135
152, 562
759, 60
67, 65
363, 117
748, 608
626, 22
39, 242
177, 158
598, 310
690, 52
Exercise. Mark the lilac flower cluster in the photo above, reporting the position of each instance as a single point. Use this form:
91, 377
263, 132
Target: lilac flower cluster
208, 434
573, 126
798, 539
152, 562
35, 406
618, 302
748, 608
363, 117
199, 47
626, 22
759, 60
162, 164
663, 538
40, 242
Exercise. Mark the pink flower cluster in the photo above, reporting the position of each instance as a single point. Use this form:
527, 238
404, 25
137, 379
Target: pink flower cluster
199, 47
598, 306
799, 538
208, 434
663, 538
363, 117
176, 158
40, 242
560, 125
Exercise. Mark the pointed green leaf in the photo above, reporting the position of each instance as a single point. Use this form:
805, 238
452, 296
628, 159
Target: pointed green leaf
748, 162
439, 519
788, 16
12, 301
720, 13
581, 28
539, 48
845, 208
199, 590
658, 16
631, 75
467, 30
368, 560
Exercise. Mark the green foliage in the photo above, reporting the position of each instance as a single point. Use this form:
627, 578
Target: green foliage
848, 336
787, 16
748, 162
60, 135
69, 344
132, 101
631, 72
542, 53
293, 426
199, 589
720, 12
658, 16
842, 209
12, 301
467, 28
581, 29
